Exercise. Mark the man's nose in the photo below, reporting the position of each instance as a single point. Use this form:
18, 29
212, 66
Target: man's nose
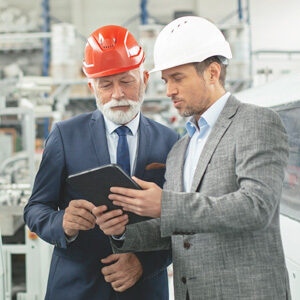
171, 90
118, 93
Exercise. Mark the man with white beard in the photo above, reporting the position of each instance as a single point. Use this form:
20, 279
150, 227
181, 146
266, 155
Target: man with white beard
83, 266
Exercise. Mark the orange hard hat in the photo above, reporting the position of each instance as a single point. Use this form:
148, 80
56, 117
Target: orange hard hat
110, 50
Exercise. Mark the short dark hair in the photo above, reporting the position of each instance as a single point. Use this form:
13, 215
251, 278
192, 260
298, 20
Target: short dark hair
203, 65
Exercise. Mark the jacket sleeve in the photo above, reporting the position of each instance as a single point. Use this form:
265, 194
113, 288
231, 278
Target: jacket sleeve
42, 214
143, 236
261, 152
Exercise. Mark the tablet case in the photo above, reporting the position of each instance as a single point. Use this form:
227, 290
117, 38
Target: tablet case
94, 185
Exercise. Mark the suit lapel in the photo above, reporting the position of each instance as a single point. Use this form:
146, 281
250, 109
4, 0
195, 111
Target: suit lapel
220, 127
178, 165
99, 141
143, 147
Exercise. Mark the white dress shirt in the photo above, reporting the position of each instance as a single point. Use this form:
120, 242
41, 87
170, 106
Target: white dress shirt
132, 139
199, 138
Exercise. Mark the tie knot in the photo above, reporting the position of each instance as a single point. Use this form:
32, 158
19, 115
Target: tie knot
122, 131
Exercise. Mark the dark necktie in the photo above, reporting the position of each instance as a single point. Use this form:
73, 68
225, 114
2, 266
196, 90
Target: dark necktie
123, 159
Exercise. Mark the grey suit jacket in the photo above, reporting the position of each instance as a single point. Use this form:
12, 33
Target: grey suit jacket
225, 234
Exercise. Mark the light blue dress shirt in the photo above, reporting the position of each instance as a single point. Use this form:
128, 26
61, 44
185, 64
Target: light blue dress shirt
199, 138
132, 139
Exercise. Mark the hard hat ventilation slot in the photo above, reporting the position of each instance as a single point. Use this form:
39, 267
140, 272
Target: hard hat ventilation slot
178, 25
107, 43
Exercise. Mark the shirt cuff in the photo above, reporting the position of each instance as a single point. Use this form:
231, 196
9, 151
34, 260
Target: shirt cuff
71, 239
119, 237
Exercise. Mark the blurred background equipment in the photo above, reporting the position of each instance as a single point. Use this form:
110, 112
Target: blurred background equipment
2, 272
41, 82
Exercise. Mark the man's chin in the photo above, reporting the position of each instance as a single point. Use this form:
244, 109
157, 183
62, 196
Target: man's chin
118, 116
120, 108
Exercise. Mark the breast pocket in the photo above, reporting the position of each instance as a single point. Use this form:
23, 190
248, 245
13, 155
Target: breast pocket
157, 176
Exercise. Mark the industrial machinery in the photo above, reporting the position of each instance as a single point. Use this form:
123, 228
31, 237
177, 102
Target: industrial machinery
2, 273
24, 107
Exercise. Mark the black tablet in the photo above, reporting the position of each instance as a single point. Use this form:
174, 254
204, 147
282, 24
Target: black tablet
94, 185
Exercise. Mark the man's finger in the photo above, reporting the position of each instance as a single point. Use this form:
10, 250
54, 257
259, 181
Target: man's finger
113, 222
124, 199
76, 226
79, 220
108, 270
126, 192
99, 210
116, 230
109, 215
81, 213
110, 258
117, 276
80, 203
120, 286
128, 207
117, 284
143, 184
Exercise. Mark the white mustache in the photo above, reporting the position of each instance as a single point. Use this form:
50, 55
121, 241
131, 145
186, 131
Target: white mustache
115, 103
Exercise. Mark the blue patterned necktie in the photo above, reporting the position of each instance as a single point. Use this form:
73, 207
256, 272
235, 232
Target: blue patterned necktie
123, 159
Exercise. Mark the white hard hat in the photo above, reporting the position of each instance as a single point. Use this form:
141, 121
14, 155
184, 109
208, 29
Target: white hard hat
187, 40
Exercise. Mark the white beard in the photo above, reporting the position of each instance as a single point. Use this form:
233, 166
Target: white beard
118, 116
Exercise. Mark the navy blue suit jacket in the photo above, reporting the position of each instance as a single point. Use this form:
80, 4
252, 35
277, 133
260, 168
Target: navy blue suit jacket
75, 145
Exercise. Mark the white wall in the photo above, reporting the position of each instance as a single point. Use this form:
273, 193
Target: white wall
274, 26
275, 23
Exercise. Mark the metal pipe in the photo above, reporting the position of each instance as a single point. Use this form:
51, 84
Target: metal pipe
250, 43
240, 10
46, 42
272, 51
46, 52
2, 273
24, 36
144, 12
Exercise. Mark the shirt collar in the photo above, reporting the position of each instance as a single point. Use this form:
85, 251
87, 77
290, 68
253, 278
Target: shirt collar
133, 125
209, 117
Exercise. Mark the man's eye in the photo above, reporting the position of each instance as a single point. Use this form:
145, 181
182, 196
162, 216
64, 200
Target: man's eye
106, 85
177, 79
126, 81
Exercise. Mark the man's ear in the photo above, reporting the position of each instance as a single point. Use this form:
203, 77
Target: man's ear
214, 72
146, 78
91, 87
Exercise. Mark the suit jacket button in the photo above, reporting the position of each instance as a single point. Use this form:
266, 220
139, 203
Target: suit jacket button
186, 245
183, 279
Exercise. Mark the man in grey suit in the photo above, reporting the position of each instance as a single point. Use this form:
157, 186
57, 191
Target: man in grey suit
219, 208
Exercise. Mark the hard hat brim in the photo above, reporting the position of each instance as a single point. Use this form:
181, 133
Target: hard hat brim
226, 52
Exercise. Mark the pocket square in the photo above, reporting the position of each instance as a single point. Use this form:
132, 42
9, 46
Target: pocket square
155, 166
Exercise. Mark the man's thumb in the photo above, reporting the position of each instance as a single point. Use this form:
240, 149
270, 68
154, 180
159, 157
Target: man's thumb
143, 184
110, 258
